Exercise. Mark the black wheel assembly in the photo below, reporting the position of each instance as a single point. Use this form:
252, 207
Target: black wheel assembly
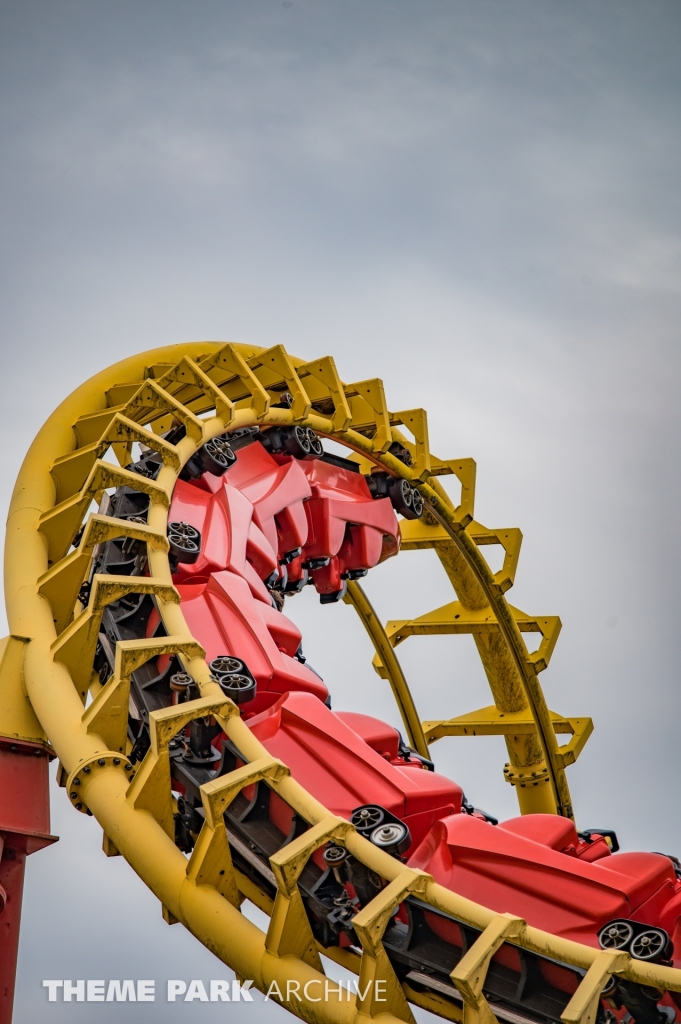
643, 942
404, 498
651, 945
382, 828
216, 456
234, 677
366, 818
393, 837
300, 442
616, 935
185, 543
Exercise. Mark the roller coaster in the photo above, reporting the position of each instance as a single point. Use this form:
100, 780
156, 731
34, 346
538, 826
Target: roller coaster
164, 516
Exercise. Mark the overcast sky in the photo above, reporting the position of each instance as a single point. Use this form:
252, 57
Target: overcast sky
478, 201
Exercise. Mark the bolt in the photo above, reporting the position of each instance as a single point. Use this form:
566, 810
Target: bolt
76, 782
37, 752
128, 767
101, 761
73, 796
79, 807
87, 769
116, 760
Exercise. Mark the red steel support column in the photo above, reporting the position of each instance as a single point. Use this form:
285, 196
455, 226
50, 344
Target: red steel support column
24, 828
12, 882
24, 806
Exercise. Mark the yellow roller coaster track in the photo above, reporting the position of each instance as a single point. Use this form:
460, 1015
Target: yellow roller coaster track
211, 388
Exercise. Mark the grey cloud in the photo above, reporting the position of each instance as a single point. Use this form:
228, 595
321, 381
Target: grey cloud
476, 201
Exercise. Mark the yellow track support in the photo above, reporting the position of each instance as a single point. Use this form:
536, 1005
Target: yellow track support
211, 387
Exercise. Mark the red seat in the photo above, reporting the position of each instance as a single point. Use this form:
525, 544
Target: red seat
346, 525
230, 539
275, 505
510, 872
548, 829
276, 488
343, 772
225, 617
380, 736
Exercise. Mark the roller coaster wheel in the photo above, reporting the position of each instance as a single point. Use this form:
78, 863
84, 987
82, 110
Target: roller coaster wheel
241, 689
234, 678
287, 441
300, 442
616, 935
297, 442
401, 453
393, 837
184, 542
401, 494
316, 446
182, 684
416, 503
217, 456
335, 855
641, 1003
650, 945
367, 818
285, 401
405, 499
226, 665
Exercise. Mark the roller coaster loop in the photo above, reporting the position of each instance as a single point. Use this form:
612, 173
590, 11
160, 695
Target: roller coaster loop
164, 515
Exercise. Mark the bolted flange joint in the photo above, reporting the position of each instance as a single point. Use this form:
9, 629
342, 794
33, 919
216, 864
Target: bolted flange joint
80, 777
527, 776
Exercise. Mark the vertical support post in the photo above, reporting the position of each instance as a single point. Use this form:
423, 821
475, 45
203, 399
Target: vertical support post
11, 892
24, 806
470, 972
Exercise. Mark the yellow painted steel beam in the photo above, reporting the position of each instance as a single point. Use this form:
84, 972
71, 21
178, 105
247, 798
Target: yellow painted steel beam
509, 668
470, 972
490, 721
584, 1005
134, 815
389, 666
456, 618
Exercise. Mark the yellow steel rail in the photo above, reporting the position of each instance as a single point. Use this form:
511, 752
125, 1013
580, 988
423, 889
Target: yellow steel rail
211, 387
389, 666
